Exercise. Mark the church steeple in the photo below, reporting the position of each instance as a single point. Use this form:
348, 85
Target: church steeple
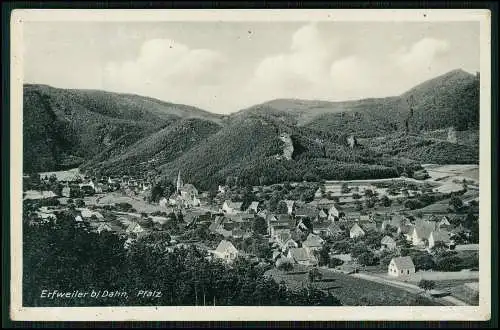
179, 182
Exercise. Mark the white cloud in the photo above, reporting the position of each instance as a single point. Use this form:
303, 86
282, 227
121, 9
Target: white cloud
166, 69
301, 72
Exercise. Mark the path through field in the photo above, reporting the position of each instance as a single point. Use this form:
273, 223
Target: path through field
447, 300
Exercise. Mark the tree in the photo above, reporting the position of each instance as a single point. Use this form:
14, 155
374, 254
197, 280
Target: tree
369, 193
314, 274
367, 258
285, 266
426, 285
359, 206
260, 226
356, 196
334, 262
79, 202
385, 201
423, 261
324, 255
345, 188
456, 203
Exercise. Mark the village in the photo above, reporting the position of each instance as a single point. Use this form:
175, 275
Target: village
414, 236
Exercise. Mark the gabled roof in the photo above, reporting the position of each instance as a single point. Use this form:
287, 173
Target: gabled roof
406, 229
226, 246
299, 254
254, 206
313, 241
387, 240
334, 228
134, 226
368, 225
356, 228
233, 205
306, 211
441, 236
403, 262
322, 214
364, 217
283, 236
424, 228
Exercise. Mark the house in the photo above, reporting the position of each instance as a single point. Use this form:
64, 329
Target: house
421, 232
285, 241
253, 208
226, 251
439, 236
401, 266
306, 212
322, 215
313, 243
66, 191
321, 228
86, 213
406, 230
324, 203
276, 255
444, 222
128, 243
163, 202
364, 218
334, 229
368, 225
263, 213
388, 243
290, 205
275, 229
135, 228
356, 231
103, 227
230, 207
333, 213
301, 256
222, 189
78, 218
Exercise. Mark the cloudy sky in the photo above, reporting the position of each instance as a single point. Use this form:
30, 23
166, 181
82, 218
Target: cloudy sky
227, 66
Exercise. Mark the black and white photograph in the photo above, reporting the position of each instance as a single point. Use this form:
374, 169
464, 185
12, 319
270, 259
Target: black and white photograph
212, 163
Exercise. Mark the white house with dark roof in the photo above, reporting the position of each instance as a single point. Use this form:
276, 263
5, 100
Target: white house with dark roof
401, 266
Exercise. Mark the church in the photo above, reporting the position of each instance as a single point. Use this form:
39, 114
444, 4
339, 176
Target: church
186, 195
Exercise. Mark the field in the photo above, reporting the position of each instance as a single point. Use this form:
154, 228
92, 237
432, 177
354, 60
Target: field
113, 198
351, 291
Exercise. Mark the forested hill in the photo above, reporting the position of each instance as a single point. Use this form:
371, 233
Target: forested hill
281, 140
64, 128
451, 99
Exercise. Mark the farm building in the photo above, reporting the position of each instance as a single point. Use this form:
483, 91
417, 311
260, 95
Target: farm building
421, 232
401, 266
253, 208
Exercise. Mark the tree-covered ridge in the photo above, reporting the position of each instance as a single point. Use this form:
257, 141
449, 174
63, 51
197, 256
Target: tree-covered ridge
64, 128
158, 148
65, 258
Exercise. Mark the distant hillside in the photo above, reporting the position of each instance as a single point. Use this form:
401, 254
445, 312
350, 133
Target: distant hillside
121, 133
448, 100
156, 149
63, 128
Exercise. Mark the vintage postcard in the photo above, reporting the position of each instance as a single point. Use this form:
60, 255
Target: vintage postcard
250, 165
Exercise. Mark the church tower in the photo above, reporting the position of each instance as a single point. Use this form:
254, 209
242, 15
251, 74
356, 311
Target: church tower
179, 182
